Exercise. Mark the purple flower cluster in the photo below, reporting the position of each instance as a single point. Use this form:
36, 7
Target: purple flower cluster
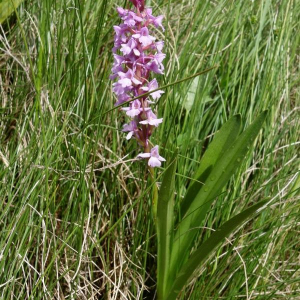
136, 54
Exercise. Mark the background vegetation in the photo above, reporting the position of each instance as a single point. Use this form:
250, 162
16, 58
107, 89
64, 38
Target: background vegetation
75, 214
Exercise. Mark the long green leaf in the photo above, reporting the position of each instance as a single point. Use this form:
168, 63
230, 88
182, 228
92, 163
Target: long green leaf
165, 225
224, 168
7, 7
221, 142
202, 253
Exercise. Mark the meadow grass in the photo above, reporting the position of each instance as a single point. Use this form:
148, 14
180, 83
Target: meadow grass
75, 217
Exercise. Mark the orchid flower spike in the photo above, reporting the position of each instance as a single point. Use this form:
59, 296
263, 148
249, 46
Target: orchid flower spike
137, 55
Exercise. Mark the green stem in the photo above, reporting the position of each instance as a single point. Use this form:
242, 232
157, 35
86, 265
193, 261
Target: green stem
154, 193
154, 186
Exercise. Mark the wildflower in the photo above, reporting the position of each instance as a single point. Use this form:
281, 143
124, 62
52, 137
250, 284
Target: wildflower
144, 38
131, 128
153, 85
137, 53
151, 119
134, 110
154, 158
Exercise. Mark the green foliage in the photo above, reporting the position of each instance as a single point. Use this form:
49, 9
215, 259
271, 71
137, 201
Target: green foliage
204, 250
75, 215
222, 170
222, 141
223, 158
7, 7
165, 226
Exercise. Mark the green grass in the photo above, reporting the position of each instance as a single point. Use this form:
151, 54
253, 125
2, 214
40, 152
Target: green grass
76, 218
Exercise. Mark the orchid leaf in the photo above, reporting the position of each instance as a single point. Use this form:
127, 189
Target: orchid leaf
165, 226
191, 94
221, 142
7, 7
224, 168
202, 253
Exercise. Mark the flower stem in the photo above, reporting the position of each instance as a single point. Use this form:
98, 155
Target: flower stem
154, 193
154, 186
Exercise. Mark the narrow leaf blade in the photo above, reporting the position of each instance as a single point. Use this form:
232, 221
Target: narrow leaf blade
221, 142
224, 168
165, 219
7, 7
202, 253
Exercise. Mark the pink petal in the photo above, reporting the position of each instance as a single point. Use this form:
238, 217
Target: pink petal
153, 85
158, 22
144, 155
133, 112
155, 122
154, 162
125, 82
136, 52
136, 36
159, 45
118, 89
121, 11
117, 29
160, 57
161, 158
125, 49
145, 40
154, 151
126, 128
150, 102
135, 81
129, 21
157, 94
129, 135
149, 11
